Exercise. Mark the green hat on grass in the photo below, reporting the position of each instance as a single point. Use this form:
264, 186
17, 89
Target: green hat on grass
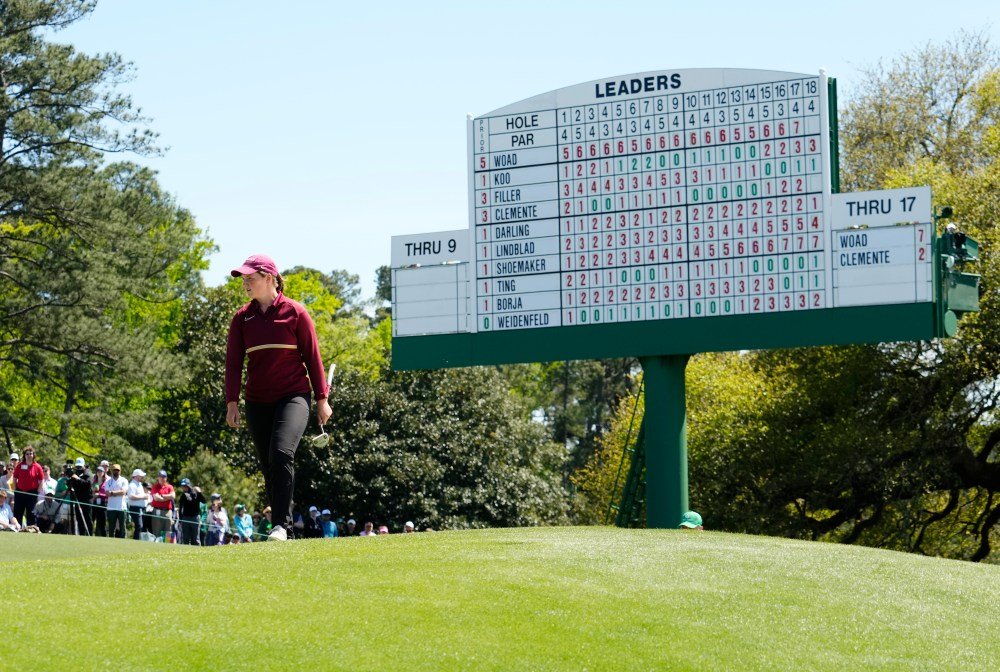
691, 519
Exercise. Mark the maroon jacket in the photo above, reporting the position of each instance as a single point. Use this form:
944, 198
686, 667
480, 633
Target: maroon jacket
281, 346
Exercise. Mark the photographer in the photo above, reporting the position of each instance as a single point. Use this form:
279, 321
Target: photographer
64, 496
80, 484
189, 503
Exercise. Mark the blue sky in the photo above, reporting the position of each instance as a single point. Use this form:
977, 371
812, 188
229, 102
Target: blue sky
314, 131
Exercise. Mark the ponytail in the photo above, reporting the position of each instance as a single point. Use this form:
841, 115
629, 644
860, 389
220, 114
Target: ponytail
279, 282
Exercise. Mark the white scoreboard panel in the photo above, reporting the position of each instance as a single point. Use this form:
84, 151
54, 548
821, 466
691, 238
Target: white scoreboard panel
661, 195
430, 299
882, 247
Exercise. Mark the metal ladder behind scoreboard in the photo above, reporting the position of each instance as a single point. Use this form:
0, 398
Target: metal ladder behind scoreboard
630, 507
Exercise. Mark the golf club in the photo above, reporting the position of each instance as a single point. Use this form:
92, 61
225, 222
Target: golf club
323, 440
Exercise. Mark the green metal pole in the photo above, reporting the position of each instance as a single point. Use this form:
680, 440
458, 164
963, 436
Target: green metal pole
666, 440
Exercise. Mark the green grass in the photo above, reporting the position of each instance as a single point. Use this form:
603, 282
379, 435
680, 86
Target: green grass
528, 599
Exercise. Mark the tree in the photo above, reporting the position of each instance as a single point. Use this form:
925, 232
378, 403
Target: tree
447, 449
920, 107
383, 293
212, 473
93, 256
576, 399
943, 103
338, 283
192, 415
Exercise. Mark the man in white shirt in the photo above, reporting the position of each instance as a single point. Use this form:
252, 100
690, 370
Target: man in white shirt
137, 500
116, 488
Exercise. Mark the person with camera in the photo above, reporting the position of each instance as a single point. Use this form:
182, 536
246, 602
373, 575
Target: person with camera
189, 506
80, 484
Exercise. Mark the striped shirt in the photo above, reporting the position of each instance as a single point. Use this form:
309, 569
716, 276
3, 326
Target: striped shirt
281, 350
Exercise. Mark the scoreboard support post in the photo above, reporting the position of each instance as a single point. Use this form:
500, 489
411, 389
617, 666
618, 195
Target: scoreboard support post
665, 440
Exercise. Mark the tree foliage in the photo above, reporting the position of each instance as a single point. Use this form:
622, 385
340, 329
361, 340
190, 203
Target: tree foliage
942, 453
446, 449
213, 473
920, 107
599, 481
94, 256
576, 399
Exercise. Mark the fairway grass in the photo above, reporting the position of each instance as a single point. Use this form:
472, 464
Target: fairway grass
525, 599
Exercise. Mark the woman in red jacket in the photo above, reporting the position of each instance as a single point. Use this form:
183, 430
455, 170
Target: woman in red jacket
278, 339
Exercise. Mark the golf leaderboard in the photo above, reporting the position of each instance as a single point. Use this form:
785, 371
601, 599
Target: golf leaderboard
663, 213
655, 205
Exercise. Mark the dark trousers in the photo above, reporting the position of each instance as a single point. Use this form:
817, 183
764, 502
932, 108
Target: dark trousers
190, 534
276, 430
81, 510
100, 520
116, 524
24, 504
135, 513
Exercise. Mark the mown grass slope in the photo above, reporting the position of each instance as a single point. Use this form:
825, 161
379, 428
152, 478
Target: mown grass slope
527, 599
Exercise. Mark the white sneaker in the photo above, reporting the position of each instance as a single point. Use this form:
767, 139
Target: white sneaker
278, 534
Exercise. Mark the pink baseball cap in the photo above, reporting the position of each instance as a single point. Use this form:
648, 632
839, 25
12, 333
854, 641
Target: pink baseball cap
254, 263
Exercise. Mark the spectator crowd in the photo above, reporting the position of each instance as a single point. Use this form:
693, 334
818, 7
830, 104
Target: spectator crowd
105, 503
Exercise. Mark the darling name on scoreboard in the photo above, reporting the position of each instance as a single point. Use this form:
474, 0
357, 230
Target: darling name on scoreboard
667, 195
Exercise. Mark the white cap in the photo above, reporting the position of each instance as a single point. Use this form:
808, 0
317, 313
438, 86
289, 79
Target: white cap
313, 508
80, 462
139, 472
105, 464
15, 456
352, 522
325, 512
409, 524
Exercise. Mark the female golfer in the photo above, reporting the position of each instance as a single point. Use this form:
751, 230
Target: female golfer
278, 337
